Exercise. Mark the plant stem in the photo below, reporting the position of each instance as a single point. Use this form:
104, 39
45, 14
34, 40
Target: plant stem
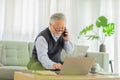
100, 39
94, 32
103, 37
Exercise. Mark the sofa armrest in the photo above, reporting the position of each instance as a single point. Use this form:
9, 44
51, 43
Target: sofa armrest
101, 58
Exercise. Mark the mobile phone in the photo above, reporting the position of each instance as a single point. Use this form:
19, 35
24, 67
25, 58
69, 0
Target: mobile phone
64, 33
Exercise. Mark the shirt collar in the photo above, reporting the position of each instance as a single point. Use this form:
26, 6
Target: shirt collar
54, 37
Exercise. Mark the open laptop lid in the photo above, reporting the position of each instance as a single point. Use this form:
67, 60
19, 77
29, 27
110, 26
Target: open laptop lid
76, 65
79, 51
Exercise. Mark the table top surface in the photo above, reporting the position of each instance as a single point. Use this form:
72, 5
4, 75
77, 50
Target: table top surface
51, 75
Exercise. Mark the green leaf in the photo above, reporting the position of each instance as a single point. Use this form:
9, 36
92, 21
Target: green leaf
92, 37
86, 29
101, 21
109, 29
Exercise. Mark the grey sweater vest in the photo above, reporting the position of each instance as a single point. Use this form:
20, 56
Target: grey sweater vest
54, 48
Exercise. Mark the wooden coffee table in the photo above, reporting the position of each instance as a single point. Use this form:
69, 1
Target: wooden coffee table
44, 76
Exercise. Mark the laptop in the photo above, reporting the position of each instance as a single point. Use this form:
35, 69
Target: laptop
79, 51
76, 66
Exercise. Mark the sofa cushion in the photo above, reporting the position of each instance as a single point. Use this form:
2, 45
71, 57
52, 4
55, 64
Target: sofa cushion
7, 72
14, 53
0, 55
14, 68
1, 64
30, 48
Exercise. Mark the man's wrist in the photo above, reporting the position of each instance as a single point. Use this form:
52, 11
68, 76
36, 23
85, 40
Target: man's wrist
66, 42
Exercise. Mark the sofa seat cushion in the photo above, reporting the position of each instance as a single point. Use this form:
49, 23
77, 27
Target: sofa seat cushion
14, 53
14, 67
7, 72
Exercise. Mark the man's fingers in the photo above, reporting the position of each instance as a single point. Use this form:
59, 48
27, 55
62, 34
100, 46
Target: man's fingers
57, 66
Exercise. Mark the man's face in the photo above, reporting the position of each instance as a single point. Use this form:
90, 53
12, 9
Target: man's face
58, 27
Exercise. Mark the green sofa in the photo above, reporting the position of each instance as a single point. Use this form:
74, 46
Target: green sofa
15, 55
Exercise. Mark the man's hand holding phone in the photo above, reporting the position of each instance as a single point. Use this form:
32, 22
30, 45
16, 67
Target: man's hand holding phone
66, 35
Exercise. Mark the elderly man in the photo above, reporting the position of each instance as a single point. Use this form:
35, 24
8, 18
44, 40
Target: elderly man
49, 44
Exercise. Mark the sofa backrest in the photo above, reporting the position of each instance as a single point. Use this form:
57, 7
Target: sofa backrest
30, 48
14, 53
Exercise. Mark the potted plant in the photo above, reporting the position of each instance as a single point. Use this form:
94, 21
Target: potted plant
107, 29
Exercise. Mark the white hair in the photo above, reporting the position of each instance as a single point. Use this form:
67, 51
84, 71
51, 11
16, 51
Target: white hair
57, 16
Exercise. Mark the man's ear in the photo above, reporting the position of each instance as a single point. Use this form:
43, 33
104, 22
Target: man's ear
50, 24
